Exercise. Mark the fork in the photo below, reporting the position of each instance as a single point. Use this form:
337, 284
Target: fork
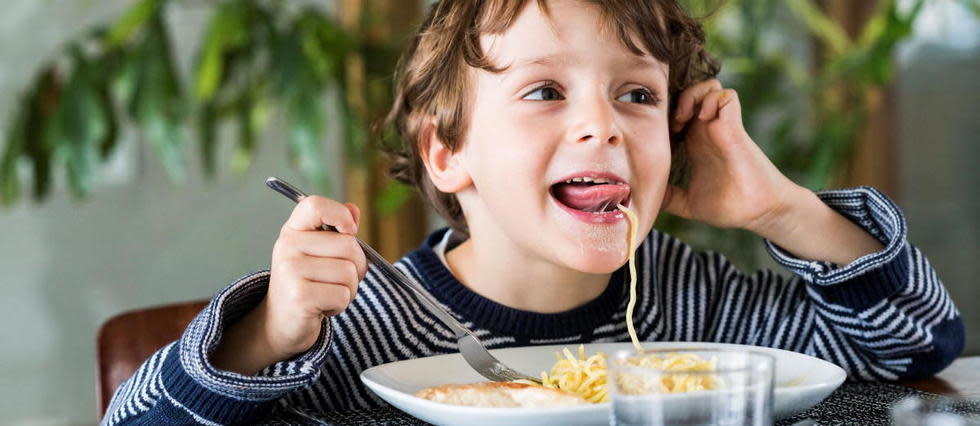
473, 351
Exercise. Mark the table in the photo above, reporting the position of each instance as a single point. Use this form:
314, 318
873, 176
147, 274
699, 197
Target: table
961, 379
863, 403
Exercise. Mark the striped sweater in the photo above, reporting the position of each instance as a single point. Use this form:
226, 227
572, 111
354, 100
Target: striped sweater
885, 316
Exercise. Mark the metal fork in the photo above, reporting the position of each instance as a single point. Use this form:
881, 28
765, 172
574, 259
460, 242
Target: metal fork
469, 346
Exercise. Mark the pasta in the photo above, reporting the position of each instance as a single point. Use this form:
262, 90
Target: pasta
587, 376
675, 382
630, 240
584, 376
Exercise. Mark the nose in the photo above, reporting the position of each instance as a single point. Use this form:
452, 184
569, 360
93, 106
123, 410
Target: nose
595, 121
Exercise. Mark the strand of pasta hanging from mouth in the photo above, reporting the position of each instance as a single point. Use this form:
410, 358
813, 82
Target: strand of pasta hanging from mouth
630, 240
587, 376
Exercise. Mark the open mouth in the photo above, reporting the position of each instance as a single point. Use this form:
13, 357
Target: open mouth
591, 194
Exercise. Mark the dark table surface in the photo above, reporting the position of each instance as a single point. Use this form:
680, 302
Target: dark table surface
854, 403
961, 379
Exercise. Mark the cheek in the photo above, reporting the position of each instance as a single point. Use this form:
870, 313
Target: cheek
508, 147
651, 162
651, 152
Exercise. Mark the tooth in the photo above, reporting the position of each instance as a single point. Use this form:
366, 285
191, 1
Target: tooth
576, 180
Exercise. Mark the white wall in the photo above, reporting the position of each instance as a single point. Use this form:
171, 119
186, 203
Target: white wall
139, 241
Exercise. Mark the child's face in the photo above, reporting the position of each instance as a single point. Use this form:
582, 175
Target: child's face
573, 102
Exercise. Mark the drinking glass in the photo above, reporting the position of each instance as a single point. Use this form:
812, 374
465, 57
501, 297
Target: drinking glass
736, 389
945, 411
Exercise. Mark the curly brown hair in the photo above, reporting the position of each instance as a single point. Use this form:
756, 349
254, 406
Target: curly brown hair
432, 74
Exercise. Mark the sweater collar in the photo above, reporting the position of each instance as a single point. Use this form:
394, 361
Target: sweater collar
486, 313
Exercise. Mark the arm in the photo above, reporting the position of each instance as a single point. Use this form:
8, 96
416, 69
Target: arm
261, 338
810, 229
179, 385
734, 185
885, 316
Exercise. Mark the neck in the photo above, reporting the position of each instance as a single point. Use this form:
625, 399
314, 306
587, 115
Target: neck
499, 270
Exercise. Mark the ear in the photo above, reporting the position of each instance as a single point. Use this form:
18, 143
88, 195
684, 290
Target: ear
446, 168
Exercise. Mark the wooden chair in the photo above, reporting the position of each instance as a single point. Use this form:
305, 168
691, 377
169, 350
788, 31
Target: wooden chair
126, 340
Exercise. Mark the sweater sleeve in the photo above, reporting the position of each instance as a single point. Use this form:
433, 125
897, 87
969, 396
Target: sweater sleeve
179, 385
884, 316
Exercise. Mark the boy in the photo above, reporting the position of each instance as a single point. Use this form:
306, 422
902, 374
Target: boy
521, 120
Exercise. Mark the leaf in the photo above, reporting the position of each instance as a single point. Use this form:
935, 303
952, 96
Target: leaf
317, 54
226, 31
870, 63
13, 149
137, 16
782, 142
79, 125
306, 130
972, 6
392, 197
103, 82
833, 143
158, 101
823, 27
355, 135
324, 43
302, 93
248, 126
41, 104
207, 138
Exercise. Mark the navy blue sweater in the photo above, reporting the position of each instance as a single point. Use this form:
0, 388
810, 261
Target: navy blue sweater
885, 316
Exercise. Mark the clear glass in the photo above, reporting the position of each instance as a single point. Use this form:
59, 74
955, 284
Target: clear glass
736, 389
914, 411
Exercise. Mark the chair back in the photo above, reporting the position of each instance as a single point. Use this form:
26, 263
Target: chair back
126, 340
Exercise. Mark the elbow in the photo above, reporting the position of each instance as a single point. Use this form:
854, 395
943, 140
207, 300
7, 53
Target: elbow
949, 338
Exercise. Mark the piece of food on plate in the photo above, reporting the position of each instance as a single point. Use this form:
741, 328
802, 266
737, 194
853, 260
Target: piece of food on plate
501, 394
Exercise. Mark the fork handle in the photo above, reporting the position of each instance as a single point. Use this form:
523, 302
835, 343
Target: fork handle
429, 302
385, 267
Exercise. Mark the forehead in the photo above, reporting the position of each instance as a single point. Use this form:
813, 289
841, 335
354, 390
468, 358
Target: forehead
569, 33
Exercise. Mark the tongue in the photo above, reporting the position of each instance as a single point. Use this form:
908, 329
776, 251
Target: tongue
591, 198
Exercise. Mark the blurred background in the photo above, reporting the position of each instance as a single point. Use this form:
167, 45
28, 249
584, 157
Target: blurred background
135, 137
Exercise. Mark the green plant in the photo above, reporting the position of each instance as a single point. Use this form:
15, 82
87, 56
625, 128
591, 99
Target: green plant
256, 57
805, 116
262, 56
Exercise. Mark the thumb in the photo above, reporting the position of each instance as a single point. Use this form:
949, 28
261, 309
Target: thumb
675, 201
356, 213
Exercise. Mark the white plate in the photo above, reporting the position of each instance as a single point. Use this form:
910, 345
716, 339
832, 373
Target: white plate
801, 382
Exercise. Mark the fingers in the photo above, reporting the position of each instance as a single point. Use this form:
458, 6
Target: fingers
326, 285
713, 103
355, 212
323, 270
319, 298
331, 299
690, 99
313, 211
322, 244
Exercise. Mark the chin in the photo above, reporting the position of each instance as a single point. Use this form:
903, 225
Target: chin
597, 261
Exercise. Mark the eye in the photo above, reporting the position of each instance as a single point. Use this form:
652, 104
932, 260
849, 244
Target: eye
544, 93
639, 96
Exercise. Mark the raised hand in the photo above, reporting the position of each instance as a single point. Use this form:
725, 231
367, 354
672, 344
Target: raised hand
732, 184
314, 274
